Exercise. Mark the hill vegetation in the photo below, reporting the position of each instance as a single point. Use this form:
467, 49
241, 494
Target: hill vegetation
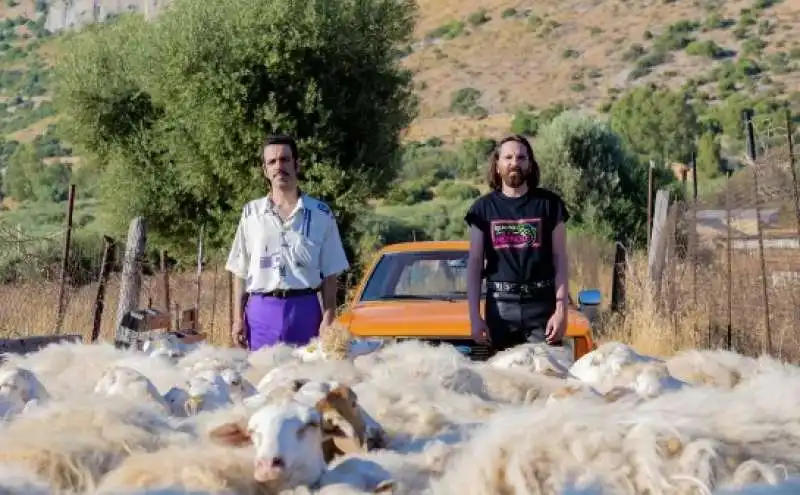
604, 87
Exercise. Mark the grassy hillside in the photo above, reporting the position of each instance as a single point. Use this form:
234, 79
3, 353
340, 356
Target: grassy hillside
477, 63
483, 68
495, 57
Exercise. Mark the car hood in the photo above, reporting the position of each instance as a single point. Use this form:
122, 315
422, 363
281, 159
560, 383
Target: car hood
409, 319
426, 319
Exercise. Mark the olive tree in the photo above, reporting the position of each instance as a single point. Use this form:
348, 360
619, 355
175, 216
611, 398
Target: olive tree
603, 185
171, 113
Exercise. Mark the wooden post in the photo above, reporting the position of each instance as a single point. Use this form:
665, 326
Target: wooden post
658, 241
618, 282
693, 233
65, 261
230, 301
105, 269
199, 275
214, 299
729, 259
649, 201
131, 274
165, 283
747, 114
793, 166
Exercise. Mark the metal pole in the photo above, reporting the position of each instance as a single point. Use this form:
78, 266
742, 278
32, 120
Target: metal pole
751, 150
65, 261
649, 202
792, 166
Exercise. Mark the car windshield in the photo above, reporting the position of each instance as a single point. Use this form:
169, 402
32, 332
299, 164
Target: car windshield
427, 275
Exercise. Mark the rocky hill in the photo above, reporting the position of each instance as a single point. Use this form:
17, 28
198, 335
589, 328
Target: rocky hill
477, 63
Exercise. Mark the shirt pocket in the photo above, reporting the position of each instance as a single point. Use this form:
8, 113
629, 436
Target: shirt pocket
304, 249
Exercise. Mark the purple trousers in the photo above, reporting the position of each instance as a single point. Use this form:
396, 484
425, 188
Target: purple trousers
272, 320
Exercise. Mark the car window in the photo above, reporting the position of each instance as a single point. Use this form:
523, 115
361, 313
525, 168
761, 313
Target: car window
424, 274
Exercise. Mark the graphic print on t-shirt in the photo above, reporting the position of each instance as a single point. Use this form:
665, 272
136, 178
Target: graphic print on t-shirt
523, 233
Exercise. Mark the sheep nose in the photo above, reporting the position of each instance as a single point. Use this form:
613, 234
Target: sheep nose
271, 464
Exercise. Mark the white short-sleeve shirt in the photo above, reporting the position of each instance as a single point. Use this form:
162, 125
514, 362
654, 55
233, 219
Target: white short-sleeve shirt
299, 253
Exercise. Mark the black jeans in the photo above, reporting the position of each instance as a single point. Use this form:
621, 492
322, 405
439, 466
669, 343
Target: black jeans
513, 319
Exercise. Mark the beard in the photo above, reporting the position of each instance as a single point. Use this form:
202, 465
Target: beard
514, 178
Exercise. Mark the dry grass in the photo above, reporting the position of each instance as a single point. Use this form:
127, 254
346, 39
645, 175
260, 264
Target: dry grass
672, 322
30, 308
658, 325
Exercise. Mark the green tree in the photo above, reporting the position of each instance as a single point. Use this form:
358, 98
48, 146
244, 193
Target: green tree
656, 123
21, 172
709, 156
602, 184
173, 112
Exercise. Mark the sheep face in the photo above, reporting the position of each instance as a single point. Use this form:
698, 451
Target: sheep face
347, 428
288, 444
20, 385
206, 392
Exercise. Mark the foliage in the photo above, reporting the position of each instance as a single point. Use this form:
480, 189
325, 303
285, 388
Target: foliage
173, 112
602, 184
656, 123
709, 158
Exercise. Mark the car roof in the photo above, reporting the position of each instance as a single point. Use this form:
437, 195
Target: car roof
422, 246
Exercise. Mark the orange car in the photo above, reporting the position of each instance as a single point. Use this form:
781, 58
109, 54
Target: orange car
417, 290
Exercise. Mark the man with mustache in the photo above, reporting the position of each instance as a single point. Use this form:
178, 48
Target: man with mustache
518, 243
287, 248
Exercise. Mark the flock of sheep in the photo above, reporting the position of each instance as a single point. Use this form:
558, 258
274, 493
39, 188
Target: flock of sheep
357, 417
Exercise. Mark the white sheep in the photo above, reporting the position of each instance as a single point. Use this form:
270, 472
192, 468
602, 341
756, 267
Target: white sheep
126, 382
536, 358
288, 440
605, 362
20, 389
205, 391
287, 437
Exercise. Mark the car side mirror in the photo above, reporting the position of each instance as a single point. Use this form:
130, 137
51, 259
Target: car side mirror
588, 302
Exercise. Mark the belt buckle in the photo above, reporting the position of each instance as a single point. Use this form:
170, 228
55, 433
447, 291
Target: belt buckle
281, 293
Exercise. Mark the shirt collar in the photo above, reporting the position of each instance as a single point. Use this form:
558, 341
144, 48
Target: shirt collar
270, 207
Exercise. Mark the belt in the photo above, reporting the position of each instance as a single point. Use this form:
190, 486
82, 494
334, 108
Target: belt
515, 288
286, 293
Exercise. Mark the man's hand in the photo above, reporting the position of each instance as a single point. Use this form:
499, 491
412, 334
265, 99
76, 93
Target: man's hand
238, 334
480, 331
557, 324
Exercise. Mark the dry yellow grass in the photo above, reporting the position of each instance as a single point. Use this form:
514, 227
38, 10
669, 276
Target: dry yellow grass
657, 328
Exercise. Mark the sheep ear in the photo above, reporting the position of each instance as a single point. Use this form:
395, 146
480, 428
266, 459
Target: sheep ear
232, 434
337, 427
345, 393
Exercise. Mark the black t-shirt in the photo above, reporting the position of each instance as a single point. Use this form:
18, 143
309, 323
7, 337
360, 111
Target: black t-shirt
518, 234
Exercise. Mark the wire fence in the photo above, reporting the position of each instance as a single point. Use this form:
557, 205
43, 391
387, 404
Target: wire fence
31, 291
731, 275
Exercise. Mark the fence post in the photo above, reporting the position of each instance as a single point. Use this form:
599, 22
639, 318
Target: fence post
214, 299
618, 280
728, 259
131, 286
751, 151
649, 201
198, 277
65, 261
105, 269
165, 283
656, 255
792, 166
